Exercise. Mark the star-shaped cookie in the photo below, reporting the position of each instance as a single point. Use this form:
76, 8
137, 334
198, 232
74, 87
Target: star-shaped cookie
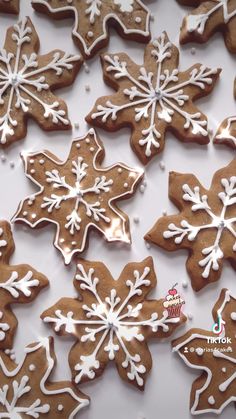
78, 195
27, 81
93, 18
9, 6
214, 354
19, 284
27, 391
205, 225
112, 321
207, 18
154, 98
226, 133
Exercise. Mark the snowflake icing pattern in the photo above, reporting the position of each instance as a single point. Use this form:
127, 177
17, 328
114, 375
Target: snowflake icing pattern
216, 389
210, 16
154, 98
208, 219
25, 82
92, 18
24, 390
113, 321
18, 284
78, 194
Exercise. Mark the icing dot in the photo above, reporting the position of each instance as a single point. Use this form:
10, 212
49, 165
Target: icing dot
233, 316
62, 240
25, 213
185, 284
32, 367
138, 19
164, 213
32, 171
87, 140
126, 185
199, 351
73, 243
31, 161
120, 170
211, 400
90, 34
162, 165
30, 202
91, 149
78, 145
41, 161
7, 351
223, 369
60, 407
34, 216
12, 357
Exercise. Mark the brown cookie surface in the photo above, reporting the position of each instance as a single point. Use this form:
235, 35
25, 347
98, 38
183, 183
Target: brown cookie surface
154, 98
27, 391
78, 195
19, 284
214, 353
9, 6
112, 321
92, 19
27, 81
226, 133
205, 225
208, 17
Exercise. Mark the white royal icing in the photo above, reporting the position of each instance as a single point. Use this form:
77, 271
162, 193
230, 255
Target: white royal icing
159, 99
93, 13
225, 133
197, 22
11, 394
26, 82
217, 354
3, 243
94, 211
4, 327
213, 254
110, 319
15, 286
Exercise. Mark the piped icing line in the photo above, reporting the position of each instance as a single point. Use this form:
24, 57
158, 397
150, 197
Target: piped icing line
99, 39
197, 22
227, 297
44, 343
68, 256
225, 133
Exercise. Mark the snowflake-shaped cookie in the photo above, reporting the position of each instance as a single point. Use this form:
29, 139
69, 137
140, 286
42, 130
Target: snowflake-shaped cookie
112, 321
226, 133
205, 226
18, 284
154, 98
208, 18
9, 6
25, 389
78, 195
93, 17
215, 355
26, 83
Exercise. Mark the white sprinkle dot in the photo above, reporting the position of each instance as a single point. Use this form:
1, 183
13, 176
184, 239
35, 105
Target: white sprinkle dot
41, 161
13, 357
78, 145
62, 240
126, 185
7, 351
185, 284
30, 202
120, 170
164, 213
25, 213
91, 149
138, 19
211, 400
34, 216
87, 141
32, 171
199, 351
73, 243
31, 161
233, 316
223, 369
60, 407
90, 34
162, 165
32, 367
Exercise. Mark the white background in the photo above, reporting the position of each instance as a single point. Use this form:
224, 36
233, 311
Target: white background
168, 386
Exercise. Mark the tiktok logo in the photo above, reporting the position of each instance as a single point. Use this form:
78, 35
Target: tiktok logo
218, 327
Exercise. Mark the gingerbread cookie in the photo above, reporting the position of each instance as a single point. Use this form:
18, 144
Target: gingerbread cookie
112, 321
19, 284
154, 98
226, 133
78, 195
26, 389
27, 81
208, 18
214, 353
93, 18
205, 226
9, 6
